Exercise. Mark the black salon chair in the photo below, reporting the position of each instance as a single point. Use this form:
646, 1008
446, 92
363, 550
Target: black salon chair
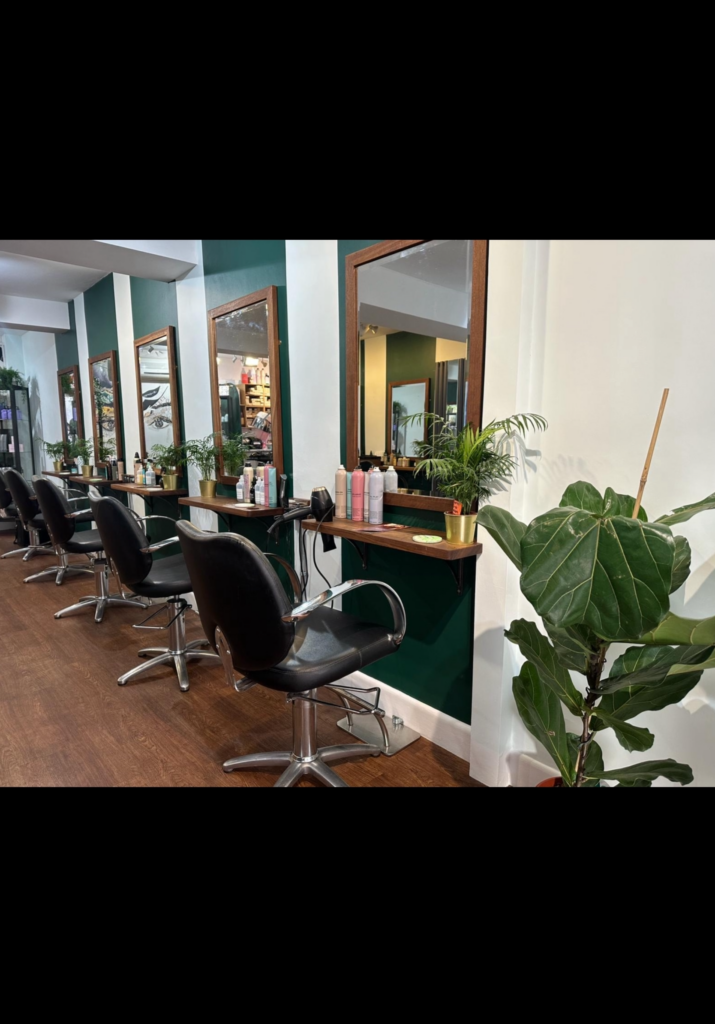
32, 521
131, 552
7, 508
257, 632
61, 524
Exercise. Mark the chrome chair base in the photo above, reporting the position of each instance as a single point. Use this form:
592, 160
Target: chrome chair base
306, 758
177, 654
101, 599
30, 551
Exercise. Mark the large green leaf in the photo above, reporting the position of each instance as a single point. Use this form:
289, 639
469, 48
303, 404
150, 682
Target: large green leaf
594, 757
674, 630
537, 649
685, 512
613, 575
649, 770
585, 496
632, 737
648, 666
636, 784
621, 505
505, 529
541, 713
573, 645
681, 565
631, 701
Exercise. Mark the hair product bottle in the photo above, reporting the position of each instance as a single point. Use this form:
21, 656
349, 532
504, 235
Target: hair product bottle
247, 481
366, 496
349, 494
358, 494
272, 487
150, 478
239, 488
390, 479
377, 487
340, 493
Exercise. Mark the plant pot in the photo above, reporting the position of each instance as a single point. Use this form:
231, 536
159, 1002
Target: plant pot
555, 780
171, 481
207, 488
86, 470
460, 529
58, 466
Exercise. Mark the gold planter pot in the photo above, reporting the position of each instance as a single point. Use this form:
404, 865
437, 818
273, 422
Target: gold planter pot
207, 488
171, 481
460, 529
86, 470
58, 466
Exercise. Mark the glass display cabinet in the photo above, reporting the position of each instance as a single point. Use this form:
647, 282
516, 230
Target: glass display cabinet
16, 431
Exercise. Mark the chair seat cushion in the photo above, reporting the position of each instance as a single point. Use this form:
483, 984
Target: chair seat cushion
328, 646
167, 577
85, 542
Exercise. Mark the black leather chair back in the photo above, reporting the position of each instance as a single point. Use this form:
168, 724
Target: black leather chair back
5, 496
238, 590
54, 507
122, 539
21, 494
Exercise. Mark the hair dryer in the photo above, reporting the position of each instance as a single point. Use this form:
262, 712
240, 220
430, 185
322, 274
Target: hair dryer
321, 508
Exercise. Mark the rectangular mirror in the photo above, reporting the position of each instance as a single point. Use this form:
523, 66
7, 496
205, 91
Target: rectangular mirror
104, 382
70, 404
415, 322
245, 376
155, 359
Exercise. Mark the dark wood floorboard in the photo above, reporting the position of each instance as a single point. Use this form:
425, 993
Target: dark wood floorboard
65, 722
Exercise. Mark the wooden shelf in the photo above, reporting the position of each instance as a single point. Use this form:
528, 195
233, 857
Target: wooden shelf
400, 540
95, 481
148, 492
229, 507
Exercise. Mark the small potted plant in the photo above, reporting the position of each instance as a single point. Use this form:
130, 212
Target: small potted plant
204, 453
234, 451
170, 457
468, 465
56, 451
81, 451
10, 378
106, 450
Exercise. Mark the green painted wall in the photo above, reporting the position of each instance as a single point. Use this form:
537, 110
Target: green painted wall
411, 357
101, 319
434, 663
153, 308
66, 344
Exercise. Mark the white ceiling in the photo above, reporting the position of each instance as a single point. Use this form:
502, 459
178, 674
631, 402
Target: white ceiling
31, 278
441, 262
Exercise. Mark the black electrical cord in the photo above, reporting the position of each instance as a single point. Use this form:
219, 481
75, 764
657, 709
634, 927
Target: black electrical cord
315, 541
303, 534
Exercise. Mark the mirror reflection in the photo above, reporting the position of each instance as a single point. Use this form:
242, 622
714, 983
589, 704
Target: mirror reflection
70, 404
155, 384
244, 376
107, 439
414, 321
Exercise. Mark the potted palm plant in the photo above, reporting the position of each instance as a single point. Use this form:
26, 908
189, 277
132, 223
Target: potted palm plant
81, 451
57, 452
467, 465
204, 453
10, 378
170, 457
106, 450
597, 575
234, 451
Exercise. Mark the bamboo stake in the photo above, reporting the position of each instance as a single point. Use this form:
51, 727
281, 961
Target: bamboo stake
649, 456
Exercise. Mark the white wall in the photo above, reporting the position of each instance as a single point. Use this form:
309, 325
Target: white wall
83, 357
12, 344
312, 289
40, 361
34, 314
589, 333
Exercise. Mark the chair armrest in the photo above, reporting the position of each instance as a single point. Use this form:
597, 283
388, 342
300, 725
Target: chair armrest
143, 519
160, 543
396, 605
81, 496
292, 575
76, 515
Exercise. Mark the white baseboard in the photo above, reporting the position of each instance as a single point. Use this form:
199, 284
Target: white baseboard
434, 725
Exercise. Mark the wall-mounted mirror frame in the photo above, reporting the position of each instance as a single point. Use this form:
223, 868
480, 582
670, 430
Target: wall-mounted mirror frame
475, 371
420, 430
73, 373
268, 295
111, 357
150, 402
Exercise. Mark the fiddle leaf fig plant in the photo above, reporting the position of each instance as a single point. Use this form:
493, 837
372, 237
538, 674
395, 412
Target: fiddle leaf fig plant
597, 576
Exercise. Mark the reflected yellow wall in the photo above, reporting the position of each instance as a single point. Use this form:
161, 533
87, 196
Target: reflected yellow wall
375, 393
447, 349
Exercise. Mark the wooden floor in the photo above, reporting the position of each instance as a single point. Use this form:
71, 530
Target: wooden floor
65, 722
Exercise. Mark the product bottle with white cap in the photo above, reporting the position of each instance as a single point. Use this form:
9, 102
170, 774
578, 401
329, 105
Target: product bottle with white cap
377, 487
390, 479
358, 494
366, 496
349, 489
340, 493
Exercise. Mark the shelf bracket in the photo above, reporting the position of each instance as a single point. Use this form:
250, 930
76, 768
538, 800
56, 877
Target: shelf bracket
362, 550
457, 570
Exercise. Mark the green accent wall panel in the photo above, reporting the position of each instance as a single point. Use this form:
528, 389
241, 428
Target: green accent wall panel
66, 344
153, 308
434, 663
101, 317
256, 530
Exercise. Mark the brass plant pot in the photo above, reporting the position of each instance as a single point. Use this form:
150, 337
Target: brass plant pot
460, 529
171, 481
58, 466
86, 470
207, 488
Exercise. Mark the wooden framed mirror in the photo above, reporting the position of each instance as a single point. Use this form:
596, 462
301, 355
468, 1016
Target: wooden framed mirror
245, 375
70, 394
155, 363
405, 398
415, 314
104, 381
